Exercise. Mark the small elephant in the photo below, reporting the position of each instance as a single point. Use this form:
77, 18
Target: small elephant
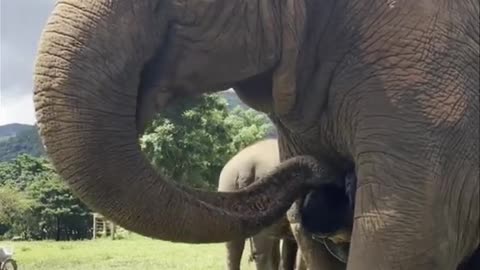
249, 165
327, 214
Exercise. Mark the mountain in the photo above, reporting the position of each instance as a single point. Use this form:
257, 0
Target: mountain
11, 130
233, 100
16, 139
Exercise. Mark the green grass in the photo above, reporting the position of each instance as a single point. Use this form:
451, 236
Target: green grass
132, 254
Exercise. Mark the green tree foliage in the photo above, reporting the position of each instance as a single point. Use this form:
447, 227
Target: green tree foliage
14, 207
60, 214
23, 170
247, 126
193, 140
36, 204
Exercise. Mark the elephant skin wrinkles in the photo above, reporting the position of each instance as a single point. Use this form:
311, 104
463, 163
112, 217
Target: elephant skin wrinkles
389, 88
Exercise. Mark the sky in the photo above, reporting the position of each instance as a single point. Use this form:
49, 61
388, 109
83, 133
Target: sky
21, 23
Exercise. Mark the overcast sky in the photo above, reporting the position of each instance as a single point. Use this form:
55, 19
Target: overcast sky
21, 23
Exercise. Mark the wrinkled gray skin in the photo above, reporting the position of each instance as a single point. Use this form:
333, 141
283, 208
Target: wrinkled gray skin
391, 87
247, 166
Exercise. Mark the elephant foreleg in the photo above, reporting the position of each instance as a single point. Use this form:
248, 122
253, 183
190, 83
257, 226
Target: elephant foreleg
275, 254
300, 262
234, 254
315, 255
288, 254
263, 248
401, 220
472, 262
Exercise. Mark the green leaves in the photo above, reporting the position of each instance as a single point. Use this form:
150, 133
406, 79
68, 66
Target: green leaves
193, 140
34, 202
13, 204
23, 170
190, 142
249, 126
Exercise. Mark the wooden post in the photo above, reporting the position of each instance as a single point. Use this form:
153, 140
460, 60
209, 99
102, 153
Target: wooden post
104, 227
107, 226
112, 230
94, 226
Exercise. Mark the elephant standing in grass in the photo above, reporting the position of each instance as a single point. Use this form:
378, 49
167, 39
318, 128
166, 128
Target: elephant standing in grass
251, 164
325, 212
389, 88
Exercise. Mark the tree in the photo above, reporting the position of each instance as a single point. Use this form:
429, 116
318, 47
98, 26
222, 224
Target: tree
248, 126
193, 140
14, 207
23, 170
61, 215
36, 204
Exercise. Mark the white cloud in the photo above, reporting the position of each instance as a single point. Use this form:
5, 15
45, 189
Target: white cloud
18, 46
17, 109
20, 109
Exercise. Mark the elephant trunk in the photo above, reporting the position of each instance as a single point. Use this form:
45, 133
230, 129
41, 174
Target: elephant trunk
87, 76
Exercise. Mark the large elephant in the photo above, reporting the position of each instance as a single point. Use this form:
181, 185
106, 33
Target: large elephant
390, 88
253, 163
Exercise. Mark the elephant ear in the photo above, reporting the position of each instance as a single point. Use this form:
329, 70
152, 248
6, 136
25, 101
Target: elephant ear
284, 86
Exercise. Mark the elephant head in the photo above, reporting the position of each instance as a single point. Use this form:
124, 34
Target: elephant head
105, 67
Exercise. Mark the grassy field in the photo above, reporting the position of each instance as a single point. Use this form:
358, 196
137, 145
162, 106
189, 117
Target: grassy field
132, 254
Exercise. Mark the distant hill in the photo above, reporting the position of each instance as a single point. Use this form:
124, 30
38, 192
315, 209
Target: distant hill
233, 100
16, 139
11, 130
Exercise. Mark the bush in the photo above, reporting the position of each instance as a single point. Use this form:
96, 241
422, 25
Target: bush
35, 204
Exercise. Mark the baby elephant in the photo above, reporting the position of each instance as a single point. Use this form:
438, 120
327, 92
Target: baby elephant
327, 213
249, 165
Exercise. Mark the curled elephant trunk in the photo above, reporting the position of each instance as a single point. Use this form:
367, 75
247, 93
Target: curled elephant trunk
94, 59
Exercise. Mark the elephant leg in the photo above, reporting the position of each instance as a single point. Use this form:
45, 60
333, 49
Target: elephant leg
234, 254
275, 254
377, 223
314, 254
402, 220
261, 248
471, 263
300, 262
289, 254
